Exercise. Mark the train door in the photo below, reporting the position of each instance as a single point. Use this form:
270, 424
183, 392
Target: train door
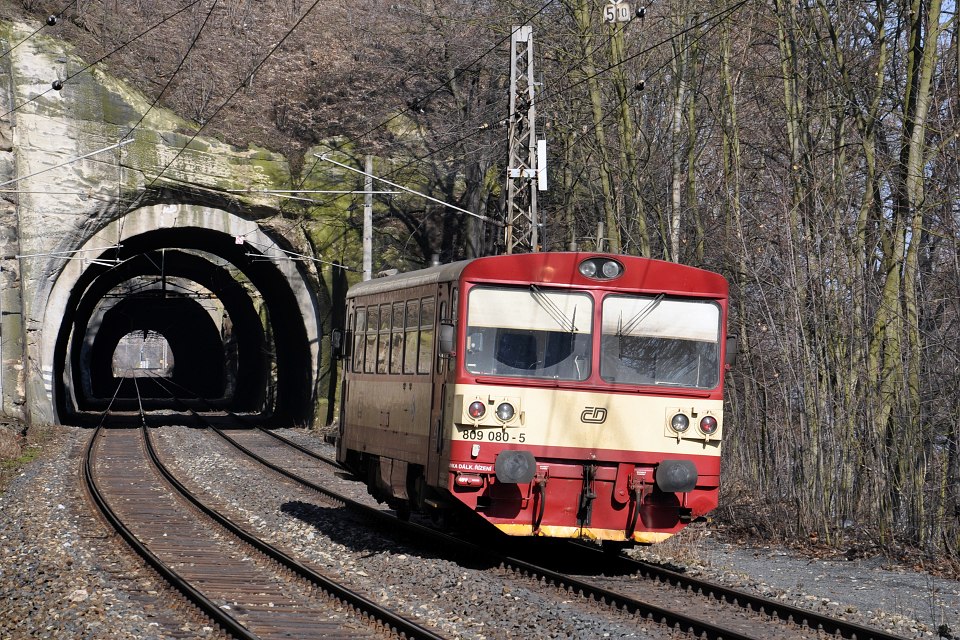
349, 350
442, 367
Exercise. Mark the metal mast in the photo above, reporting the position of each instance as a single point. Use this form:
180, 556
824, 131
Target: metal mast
521, 228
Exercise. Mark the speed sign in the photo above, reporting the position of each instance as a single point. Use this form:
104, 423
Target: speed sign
617, 12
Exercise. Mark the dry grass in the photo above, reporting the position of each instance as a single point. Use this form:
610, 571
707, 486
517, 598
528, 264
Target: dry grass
10, 444
683, 549
18, 447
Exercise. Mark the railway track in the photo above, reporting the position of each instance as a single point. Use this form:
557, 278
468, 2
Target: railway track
682, 603
244, 586
614, 583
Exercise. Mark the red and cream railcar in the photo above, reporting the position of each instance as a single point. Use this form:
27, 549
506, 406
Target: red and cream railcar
556, 394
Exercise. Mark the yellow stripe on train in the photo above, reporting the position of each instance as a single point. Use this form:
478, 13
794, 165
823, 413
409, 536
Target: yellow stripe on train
590, 533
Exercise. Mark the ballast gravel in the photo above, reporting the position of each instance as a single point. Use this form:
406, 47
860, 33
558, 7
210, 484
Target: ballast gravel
63, 575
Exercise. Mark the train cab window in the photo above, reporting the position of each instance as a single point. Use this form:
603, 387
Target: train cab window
517, 350
652, 340
359, 331
411, 331
370, 338
396, 339
427, 321
529, 332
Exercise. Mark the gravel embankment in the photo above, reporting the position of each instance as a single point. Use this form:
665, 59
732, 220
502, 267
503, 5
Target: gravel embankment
62, 576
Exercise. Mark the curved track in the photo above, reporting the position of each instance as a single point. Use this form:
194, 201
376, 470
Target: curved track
246, 587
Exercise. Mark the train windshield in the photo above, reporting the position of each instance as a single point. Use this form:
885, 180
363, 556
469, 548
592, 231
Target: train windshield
655, 340
529, 332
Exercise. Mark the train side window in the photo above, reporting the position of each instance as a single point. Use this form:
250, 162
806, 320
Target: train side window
383, 339
411, 329
370, 358
427, 320
359, 331
396, 339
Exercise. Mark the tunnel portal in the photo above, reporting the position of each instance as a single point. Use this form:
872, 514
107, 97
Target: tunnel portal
239, 321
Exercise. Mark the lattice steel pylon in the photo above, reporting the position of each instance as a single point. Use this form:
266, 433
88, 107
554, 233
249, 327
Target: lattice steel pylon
521, 231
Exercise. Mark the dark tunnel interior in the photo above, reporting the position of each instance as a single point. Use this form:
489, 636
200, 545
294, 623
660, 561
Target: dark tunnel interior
231, 321
198, 353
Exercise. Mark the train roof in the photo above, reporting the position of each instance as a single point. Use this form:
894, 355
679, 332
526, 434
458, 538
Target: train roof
430, 275
563, 269
640, 274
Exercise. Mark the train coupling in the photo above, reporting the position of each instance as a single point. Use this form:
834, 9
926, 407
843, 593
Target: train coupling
686, 517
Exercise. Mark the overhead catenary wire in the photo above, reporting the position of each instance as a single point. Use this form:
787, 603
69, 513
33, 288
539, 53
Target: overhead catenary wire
156, 100
65, 163
459, 72
462, 70
716, 18
233, 94
173, 76
292, 256
67, 254
49, 22
288, 193
325, 158
470, 134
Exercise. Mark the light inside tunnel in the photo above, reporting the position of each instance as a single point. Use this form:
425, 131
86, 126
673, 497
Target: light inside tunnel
143, 354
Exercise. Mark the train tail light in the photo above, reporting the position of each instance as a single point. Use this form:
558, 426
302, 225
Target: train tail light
476, 409
709, 425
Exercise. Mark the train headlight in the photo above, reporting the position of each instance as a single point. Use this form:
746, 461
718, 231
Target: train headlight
679, 423
476, 409
611, 269
601, 269
709, 425
505, 412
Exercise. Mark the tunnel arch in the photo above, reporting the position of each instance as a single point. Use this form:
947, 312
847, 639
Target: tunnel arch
248, 343
194, 339
274, 307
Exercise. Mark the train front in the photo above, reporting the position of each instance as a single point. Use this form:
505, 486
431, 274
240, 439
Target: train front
588, 399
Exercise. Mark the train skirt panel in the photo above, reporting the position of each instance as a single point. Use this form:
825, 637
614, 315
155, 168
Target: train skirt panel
392, 421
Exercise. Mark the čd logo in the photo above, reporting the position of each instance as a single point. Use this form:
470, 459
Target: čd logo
593, 415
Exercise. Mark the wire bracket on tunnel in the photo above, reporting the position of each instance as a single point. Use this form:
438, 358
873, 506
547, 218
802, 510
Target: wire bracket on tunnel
72, 255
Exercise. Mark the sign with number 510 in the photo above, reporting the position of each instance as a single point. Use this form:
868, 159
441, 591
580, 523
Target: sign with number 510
617, 12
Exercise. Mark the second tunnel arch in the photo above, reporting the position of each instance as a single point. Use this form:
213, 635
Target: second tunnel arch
199, 241
249, 342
